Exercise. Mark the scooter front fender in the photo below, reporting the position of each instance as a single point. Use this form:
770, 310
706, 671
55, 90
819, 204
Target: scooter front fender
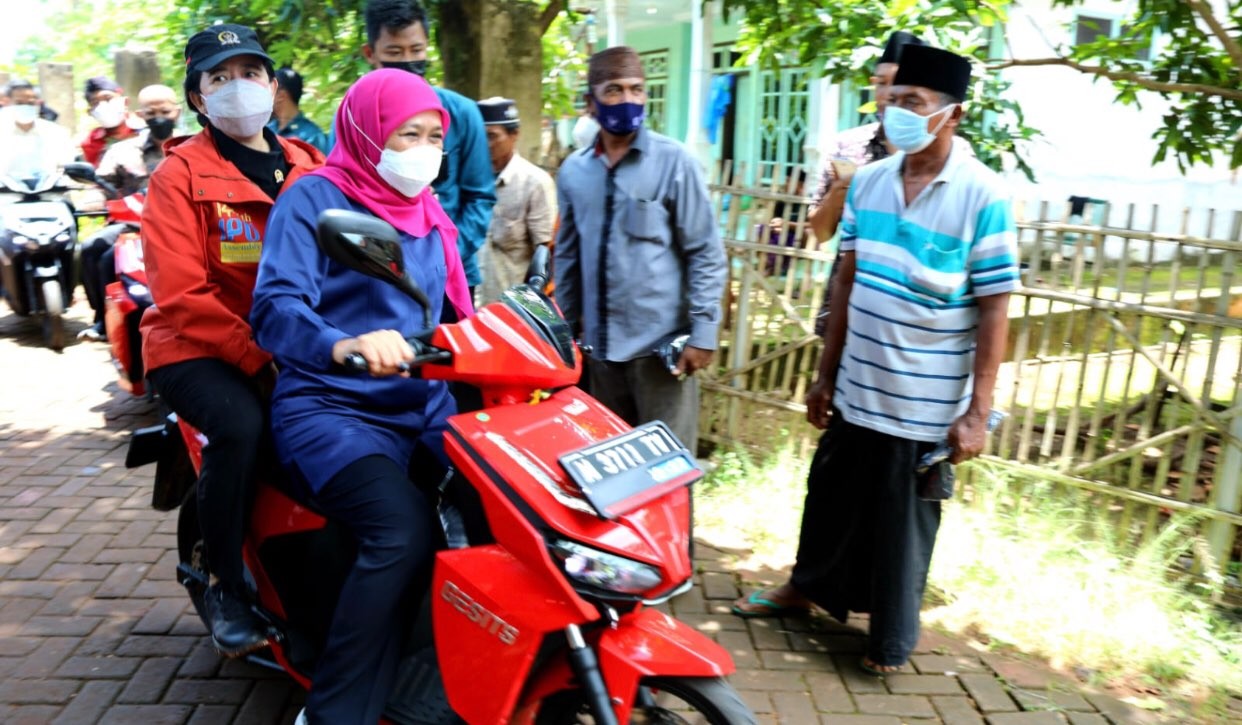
646, 644
651, 643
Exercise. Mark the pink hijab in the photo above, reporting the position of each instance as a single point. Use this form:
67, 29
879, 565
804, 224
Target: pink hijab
375, 106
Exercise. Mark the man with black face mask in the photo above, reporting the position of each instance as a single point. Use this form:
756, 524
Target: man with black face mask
126, 165
397, 37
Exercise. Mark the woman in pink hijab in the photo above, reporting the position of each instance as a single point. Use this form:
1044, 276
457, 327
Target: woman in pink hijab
348, 439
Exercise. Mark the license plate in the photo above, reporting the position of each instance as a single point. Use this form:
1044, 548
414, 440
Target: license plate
625, 472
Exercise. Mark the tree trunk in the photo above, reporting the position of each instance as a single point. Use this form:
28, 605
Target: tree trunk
494, 48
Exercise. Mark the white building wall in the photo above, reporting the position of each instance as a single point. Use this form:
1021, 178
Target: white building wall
1092, 145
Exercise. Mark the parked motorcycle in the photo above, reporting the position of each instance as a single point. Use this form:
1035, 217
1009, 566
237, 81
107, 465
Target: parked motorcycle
583, 524
38, 236
128, 297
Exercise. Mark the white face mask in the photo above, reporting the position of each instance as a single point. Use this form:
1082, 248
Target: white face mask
24, 114
908, 130
409, 171
240, 108
110, 113
585, 131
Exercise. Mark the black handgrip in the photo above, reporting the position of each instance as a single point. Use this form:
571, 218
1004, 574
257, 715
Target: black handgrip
355, 362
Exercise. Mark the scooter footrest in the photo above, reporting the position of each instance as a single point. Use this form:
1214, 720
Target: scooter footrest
418, 696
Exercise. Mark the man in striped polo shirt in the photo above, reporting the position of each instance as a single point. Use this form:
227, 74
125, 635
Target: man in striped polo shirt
929, 259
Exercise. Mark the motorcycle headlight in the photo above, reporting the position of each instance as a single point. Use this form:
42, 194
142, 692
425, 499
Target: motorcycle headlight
601, 570
62, 237
138, 291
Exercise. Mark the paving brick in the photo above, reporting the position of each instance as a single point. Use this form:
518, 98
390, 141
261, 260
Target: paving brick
828, 691
265, 702
130, 608
146, 715
767, 680
89, 704
827, 642
902, 684
68, 626
950, 664
1027, 718
87, 548
899, 705
35, 563
956, 710
1087, 718
691, 602
149, 682
1023, 675
188, 624
988, 693
767, 633
204, 661
794, 708
69, 599
759, 701
107, 637
1119, 713
98, 668
809, 661
717, 585
32, 589
77, 572
111, 555
1050, 700
212, 715
37, 692
740, 648
140, 645
123, 579
857, 681
842, 719
710, 624
161, 616
29, 714
207, 691
18, 646
16, 612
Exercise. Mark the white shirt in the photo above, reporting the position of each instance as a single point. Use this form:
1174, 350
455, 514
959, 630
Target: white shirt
41, 149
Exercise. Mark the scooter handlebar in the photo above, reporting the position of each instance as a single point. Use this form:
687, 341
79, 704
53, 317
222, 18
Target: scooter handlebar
424, 353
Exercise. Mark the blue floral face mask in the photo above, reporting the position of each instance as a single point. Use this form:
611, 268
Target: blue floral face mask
620, 119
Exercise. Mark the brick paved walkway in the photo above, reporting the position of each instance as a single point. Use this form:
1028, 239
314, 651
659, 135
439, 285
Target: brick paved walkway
94, 629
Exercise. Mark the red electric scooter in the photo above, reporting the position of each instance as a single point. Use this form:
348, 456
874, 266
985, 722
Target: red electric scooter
545, 615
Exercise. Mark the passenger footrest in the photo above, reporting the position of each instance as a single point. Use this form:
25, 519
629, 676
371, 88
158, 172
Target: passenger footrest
418, 696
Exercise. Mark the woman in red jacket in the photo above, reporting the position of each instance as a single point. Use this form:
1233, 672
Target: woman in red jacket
202, 231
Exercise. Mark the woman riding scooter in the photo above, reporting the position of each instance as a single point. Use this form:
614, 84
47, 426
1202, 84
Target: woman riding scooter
203, 228
348, 439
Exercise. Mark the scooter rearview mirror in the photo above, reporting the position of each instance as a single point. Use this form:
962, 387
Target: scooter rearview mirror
80, 171
371, 246
537, 270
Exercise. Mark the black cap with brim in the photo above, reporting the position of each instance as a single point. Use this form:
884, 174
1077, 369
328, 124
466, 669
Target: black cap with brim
934, 68
896, 42
211, 47
498, 111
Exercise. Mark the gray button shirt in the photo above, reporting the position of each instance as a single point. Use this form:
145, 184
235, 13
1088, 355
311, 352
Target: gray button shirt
638, 254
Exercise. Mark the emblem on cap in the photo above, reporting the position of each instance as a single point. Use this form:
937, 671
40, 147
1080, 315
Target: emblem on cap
228, 37
511, 112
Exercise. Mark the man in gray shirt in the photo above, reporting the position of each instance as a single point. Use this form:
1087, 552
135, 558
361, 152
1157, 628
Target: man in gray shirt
638, 256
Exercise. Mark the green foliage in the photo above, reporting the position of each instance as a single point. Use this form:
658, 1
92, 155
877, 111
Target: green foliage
1195, 48
564, 69
843, 41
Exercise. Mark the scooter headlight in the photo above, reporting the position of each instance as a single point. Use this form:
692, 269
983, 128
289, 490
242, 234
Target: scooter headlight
30, 245
138, 291
62, 237
601, 570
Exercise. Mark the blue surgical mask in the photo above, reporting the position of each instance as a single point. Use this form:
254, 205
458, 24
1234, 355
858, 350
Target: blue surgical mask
620, 119
908, 130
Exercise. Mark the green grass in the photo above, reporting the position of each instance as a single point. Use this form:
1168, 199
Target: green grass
1030, 566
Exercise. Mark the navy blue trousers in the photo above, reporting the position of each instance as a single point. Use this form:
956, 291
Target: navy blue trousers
393, 523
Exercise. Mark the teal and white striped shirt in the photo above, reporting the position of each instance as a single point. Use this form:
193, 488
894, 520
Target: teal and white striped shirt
907, 366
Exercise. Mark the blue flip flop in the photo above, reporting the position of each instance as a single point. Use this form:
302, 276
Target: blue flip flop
770, 608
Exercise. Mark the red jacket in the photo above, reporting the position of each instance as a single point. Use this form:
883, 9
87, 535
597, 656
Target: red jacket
97, 141
202, 232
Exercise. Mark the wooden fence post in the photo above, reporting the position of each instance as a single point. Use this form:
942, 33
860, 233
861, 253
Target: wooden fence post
1227, 492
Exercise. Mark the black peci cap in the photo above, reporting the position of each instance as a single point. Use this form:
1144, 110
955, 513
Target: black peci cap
290, 81
211, 47
934, 68
898, 40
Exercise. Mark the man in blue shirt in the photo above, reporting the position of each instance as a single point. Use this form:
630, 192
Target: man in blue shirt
287, 117
397, 38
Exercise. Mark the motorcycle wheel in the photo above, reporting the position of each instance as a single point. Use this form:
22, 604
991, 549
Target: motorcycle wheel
675, 701
53, 320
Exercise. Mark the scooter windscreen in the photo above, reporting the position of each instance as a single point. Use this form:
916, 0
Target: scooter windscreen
535, 307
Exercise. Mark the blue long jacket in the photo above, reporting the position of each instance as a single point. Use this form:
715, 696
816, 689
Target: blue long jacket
323, 417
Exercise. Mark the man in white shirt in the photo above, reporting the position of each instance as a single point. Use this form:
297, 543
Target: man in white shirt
30, 146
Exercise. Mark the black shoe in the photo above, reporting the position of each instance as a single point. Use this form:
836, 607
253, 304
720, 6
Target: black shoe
235, 628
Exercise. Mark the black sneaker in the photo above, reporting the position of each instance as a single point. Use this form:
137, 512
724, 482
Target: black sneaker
235, 629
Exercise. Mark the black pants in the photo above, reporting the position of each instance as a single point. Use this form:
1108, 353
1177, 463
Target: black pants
225, 406
393, 523
866, 540
98, 265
